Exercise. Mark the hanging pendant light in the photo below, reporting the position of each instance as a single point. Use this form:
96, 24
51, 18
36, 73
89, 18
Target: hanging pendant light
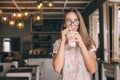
37, 19
19, 15
4, 19
14, 15
20, 24
26, 15
12, 23
40, 4
50, 4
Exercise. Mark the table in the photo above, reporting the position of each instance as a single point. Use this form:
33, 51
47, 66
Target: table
20, 73
35, 70
46, 68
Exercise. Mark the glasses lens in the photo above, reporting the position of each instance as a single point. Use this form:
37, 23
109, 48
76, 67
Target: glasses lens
76, 22
69, 22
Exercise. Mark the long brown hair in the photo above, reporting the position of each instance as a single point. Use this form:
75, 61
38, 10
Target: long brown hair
88, 41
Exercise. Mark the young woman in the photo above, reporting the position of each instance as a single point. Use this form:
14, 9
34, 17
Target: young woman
79, 62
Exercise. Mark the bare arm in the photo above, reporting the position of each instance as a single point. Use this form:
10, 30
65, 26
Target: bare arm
58, 60
88, 56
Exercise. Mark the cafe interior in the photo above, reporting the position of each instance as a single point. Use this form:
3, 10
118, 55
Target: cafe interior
28, 29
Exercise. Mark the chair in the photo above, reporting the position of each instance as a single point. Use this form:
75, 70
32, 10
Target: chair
6, 67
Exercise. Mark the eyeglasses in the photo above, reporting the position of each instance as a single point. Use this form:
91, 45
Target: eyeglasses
69, 22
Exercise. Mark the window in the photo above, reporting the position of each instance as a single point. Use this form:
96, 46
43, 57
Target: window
119, 29
94, 26
113, 21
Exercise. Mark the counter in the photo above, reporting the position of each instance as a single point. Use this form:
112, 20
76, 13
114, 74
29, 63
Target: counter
20, 73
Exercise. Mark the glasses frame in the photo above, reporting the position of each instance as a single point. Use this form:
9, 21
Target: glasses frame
75, 22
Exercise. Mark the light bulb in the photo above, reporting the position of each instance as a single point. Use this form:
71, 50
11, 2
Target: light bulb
12, 23
40, 6
38, 17
20, 25
4, 19
26, 15
50, 4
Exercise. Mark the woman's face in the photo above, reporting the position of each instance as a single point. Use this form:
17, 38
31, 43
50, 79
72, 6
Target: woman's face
71, 21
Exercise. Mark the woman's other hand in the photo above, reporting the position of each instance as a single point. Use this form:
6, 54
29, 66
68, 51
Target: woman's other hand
63, 34
78, 39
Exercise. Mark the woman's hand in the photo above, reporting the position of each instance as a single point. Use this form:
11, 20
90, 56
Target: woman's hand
63, 34
78, 39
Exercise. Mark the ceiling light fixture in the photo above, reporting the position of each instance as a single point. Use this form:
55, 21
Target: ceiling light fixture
40, 6
26, 15
43, 3
19, 15
50, 4
13, 15
37, 19
4, 19
20, 24
12, 23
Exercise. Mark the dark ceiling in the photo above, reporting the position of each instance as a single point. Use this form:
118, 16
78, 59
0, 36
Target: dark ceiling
9, 6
